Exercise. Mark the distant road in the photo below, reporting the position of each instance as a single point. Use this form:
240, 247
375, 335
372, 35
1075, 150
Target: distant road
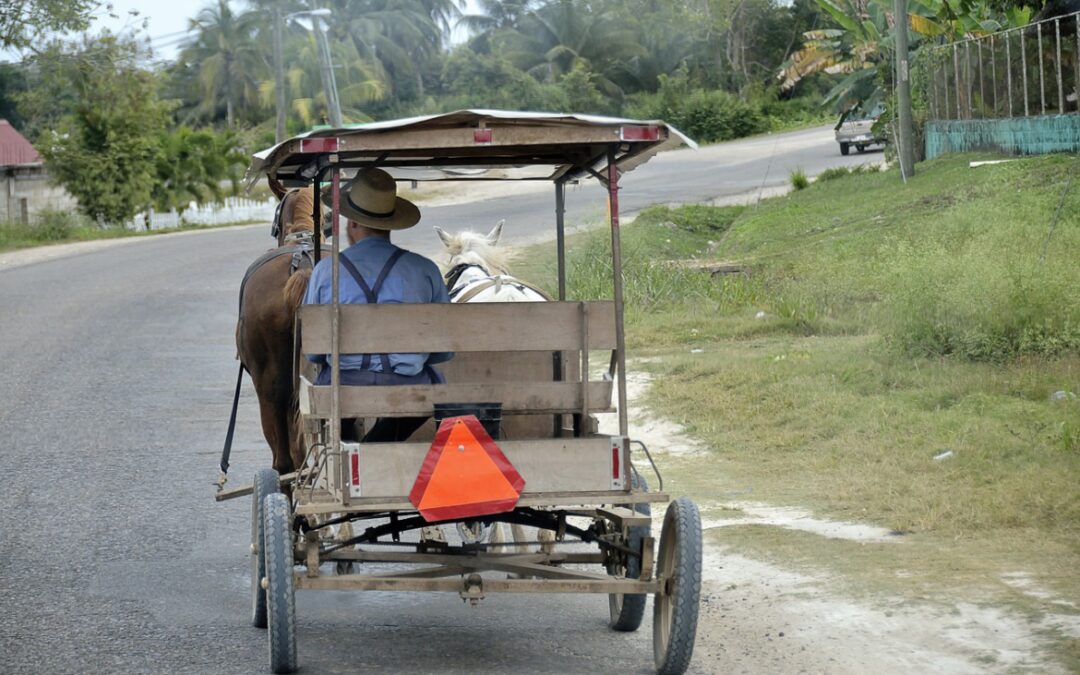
119, 367
736, 169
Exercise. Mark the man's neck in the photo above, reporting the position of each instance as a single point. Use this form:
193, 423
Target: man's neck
360, 234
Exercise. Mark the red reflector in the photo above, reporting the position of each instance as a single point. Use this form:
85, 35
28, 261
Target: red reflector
464, 474
615, 474
318, 145
639, 133
482, 136
355, 459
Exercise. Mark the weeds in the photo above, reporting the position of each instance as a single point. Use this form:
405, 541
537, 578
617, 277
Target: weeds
798, 179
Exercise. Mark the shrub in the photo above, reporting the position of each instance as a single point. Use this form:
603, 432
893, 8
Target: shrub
694, 218
55, 225
703, 114
832, 173
985, 305
799, 181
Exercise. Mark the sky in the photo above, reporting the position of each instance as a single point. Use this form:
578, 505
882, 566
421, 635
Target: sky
166, 22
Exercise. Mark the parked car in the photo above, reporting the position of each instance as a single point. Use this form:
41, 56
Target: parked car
858, 129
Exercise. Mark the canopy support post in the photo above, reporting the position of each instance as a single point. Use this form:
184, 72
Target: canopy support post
335, 334
558, 358
616, 264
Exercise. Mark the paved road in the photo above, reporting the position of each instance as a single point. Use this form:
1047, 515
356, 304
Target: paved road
113, 397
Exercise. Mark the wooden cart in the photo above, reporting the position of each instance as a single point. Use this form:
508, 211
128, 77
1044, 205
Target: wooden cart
532, 359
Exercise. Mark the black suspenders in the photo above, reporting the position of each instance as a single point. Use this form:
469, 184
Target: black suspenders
371, 293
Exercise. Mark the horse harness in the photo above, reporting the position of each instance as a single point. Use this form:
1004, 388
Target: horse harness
470, 290
301, 247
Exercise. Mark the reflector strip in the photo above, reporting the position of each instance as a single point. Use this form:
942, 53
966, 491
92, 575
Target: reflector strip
639, 133
355, 459
319, 145
615, 463
482, 136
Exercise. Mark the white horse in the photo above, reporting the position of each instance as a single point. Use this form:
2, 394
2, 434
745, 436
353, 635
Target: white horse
477, 271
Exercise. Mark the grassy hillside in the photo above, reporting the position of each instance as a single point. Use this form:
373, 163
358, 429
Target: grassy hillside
875, 327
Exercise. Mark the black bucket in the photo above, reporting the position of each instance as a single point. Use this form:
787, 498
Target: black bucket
489, 414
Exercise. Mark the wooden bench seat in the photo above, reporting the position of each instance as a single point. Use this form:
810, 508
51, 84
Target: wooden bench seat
504, 354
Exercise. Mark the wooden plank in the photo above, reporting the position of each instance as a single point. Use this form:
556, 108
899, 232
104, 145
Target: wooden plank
549, 499
357, 582
624, 517
470, 327
533, 398
388, 470
502, 134
244, 490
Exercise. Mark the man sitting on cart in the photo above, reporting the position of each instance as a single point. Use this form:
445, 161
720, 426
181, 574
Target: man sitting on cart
377, 271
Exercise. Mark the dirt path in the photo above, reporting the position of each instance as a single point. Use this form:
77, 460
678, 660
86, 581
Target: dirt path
760, 617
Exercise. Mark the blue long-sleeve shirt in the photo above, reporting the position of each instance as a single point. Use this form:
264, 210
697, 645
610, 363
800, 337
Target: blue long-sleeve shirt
414, 279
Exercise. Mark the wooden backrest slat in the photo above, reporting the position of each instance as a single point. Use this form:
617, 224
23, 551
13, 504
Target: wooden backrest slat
470, 327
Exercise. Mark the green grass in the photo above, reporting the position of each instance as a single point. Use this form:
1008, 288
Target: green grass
798, 179
874, 326
62, 228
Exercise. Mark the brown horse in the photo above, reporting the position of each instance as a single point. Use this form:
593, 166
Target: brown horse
270, 295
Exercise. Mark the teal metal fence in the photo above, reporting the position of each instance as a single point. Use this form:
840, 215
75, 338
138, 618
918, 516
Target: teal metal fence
1034, 135
1015, 91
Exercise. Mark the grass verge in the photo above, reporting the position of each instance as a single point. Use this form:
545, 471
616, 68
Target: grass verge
829, 345
57, 228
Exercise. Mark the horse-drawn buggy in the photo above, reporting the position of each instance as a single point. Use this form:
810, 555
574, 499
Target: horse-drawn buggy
514, 441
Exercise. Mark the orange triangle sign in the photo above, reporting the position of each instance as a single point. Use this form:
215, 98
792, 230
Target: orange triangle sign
465, 474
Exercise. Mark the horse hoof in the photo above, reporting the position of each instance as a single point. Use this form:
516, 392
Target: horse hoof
343, 567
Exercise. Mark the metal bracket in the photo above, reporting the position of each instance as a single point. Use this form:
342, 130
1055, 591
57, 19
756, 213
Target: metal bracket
648, 455
473, 589
647, 560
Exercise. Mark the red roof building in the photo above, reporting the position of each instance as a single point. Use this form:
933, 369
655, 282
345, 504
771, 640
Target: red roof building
15, 150
25, 188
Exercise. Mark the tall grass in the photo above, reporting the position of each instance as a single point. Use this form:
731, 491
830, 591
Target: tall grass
959, 262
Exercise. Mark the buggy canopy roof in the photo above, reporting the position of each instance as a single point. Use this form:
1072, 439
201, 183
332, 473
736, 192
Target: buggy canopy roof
473, 145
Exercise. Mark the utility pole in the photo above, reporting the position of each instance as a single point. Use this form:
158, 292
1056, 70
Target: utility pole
906, 151
279, 74
326, 70
329, 81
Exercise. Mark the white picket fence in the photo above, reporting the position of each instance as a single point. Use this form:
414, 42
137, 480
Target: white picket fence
233, 210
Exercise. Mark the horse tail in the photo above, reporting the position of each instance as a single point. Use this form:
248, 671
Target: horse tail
295, 288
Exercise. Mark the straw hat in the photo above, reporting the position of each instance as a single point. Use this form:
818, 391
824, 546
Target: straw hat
371, 200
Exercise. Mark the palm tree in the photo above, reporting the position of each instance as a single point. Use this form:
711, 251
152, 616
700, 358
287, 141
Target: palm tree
399, 36
555, 38
359, 80
228, 60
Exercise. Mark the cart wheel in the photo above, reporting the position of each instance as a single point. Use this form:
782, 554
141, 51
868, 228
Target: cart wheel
266, 483
280, 593
675, 609
627, 611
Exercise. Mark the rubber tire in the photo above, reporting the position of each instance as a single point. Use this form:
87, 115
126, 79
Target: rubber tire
266, 483
280, 587
860, 148
626, 612
679, 559
844, 149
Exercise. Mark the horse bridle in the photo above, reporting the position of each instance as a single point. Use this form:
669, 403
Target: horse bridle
454, 275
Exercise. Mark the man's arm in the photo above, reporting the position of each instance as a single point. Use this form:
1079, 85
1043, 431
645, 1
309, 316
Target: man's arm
313, 296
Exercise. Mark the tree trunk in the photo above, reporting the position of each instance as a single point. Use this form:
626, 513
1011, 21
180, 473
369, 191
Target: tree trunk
228, 92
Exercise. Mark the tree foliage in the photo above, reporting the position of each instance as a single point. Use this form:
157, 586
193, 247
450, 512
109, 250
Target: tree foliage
25, 24
104, 144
